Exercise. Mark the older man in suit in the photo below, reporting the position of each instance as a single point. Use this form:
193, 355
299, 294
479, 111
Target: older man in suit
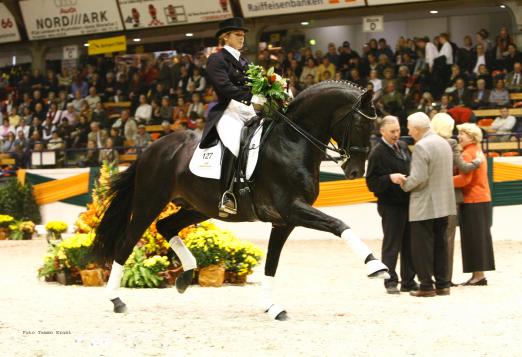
432, 200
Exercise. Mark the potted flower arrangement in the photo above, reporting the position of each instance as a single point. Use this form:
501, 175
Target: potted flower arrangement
142, 272
55, 229
6, 223
242, 257
27, 229
56, 267
207, 244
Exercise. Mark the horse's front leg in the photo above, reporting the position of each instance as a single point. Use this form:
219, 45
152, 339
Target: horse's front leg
302, 214
278, 237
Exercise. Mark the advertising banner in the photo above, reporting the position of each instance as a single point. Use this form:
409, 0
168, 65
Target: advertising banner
63, 18
8, 30
107, 45
138, 14
255, 8
388, 2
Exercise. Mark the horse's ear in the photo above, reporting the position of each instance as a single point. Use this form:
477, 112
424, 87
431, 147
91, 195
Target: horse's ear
366, 107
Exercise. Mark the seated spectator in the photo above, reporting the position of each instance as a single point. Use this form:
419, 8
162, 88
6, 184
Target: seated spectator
77, 101
93, 98
197, 80
64, 80
309, 69
513, 56
503, 124
426, 103
65, 131
143, 113
62, 100
117, 140
499, 96
155, 119
165, 111
99, 115
480, 58
52, 113
99, 136
22, 126
27, 115
461, 96
39, 112
92, 156
143, 139
393, 101
356, 78
404, 80
56, 142
200, 125
309, 81
480, 97
108, 153
196, 106
376, 81
514, 79
166, 128
456, 74
110, 86
70, 114
484, 74
36, 125
80, 132
14, 118
445, 103
8, 145
22, 140
325, 66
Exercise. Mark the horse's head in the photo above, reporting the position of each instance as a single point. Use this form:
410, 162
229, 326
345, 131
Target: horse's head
351, 130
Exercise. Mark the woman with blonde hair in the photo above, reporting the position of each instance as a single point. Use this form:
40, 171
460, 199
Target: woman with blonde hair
443, 125
475, 211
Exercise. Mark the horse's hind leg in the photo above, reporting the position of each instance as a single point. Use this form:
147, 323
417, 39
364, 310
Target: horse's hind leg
169, 227
143, 214
278, 237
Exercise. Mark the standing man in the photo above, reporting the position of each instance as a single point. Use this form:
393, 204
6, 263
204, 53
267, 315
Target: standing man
432, 200
388, 162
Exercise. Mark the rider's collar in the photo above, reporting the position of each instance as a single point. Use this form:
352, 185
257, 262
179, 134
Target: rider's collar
233, 52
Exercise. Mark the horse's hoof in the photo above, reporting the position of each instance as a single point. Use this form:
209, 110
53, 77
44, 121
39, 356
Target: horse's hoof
282, 316
184, 280
119, 306
380, 274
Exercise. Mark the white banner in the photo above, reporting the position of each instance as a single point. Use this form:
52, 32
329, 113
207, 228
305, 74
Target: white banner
156, 13
387, 2
255, 8
63, 18
8, 29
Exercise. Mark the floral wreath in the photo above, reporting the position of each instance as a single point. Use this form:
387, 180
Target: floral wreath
269, 89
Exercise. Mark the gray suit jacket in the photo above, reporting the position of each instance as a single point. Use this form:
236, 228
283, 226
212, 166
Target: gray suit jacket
431, 179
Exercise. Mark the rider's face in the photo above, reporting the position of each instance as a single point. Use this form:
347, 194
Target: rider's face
235, 39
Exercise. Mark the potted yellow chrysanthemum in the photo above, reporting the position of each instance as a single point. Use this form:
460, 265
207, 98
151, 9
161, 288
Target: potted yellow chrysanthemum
55, 229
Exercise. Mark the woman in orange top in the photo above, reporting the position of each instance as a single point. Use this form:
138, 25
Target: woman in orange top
475, 212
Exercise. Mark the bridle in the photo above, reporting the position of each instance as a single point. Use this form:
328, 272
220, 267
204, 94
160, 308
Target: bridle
345, 149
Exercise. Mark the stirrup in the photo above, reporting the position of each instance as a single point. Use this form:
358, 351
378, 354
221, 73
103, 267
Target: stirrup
228, 204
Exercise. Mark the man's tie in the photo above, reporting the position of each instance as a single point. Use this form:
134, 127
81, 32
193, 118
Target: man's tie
516, 78
397, 150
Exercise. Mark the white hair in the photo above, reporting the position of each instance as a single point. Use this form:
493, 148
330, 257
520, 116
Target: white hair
419, 120
443, 124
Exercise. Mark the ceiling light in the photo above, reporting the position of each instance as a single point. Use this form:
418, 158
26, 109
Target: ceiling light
189, 34
434, 12
86, 44
503, 6
136, 39
312, 42
305, 23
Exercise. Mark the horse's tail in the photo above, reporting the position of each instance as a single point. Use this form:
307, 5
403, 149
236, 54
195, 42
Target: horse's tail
112, 230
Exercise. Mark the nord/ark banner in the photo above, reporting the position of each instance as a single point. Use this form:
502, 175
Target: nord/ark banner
62, 18
255, 8
156, 13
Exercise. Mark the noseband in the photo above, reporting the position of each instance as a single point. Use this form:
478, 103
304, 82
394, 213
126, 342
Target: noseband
345, 149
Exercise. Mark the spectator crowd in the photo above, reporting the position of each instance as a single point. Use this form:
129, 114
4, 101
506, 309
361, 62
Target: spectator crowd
103, 107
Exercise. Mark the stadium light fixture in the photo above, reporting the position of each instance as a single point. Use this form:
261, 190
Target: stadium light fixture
86, 44
136, 39
305, 23
502, 6
189, 34
434, 12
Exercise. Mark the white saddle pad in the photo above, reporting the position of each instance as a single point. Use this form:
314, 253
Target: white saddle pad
207, 162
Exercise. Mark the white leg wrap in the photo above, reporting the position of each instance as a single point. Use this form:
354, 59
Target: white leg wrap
376, 265
267, 287
274, 310
185, 256
356, 244
114, 281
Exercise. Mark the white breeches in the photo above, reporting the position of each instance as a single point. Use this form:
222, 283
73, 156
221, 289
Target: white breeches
230, 124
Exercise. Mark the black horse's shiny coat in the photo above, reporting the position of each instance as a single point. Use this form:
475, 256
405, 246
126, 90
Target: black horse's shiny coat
286, 177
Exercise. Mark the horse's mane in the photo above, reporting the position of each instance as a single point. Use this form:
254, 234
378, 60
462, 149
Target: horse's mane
353, 90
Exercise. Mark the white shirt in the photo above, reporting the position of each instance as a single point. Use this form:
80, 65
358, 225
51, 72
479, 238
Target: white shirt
504, 125
480, 60
431, 54
144, 112
233, 52
447, 51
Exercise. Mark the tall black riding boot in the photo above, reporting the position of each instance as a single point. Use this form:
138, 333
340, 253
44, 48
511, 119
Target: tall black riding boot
228, 203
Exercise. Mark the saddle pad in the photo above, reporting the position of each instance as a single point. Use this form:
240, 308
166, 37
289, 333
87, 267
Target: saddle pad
207, 162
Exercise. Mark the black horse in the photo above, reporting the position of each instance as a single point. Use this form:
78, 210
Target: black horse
286, 185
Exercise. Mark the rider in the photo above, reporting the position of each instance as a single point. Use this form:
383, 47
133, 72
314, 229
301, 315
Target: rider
226, 71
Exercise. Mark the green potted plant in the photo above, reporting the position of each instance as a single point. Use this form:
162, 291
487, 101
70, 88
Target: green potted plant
142, 272
242, 257
55, 229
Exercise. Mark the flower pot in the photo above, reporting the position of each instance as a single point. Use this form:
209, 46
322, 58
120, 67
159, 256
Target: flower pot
50, 278
53, 236
65, 278
27, 235
212, 275
171, 275
234, 278
92, 277
4, 233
